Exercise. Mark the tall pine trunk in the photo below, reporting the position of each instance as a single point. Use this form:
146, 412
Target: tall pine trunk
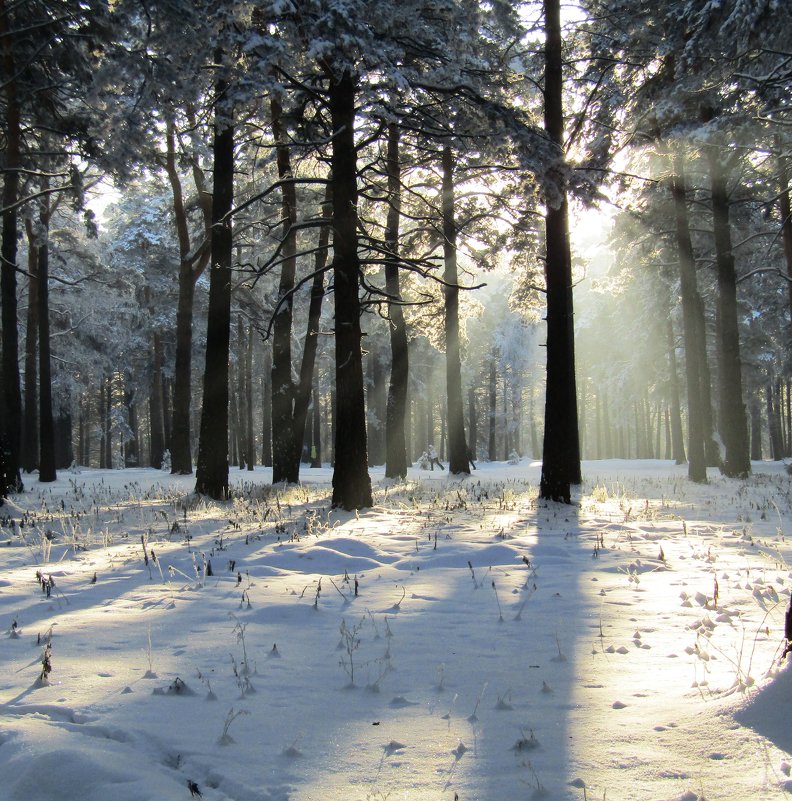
677, 439
156, 427
211, 475
10, 391
191, 266
786, 213
30, 430
561, 448
351, 481
302, 394
47, 471
396, 411
284, 466
493, 408
732, 419
458, 462
697, 467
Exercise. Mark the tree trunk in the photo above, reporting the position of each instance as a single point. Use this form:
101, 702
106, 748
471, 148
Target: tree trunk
284, 437
47, 471
240, 396
212, 466
10, 391
395, 439
191, 266
473, 423
157, 449
458, 462
493, 408
131, 455
316, 453
266, 410
786, 213
561, 447
773, 425
302, 393
107, 423
732, 419
756, 429
711, 450
697, 467
250, 445
30, 430
677, 439
64, 448
351, 481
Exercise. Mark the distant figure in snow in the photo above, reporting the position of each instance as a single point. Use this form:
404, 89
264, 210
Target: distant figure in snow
433, 460
193, 788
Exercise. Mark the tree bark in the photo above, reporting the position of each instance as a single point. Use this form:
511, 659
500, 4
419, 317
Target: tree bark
786, 214
316, 454
47, 471
157, 448
561, 447
191, 266
756, 429
351, 481
10, 391
773, 424
212, 466
677, 439
493, 407
30, 431
473, 423
396, 411
458, 462
266, 410
697, 467
250, 437
302, 392
732, 419
284, 437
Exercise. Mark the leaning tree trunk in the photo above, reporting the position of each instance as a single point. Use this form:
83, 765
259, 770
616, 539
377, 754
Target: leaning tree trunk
211, 475
697, 467
351, 481
10, 391
47, 471
732, 419
458, 462
396, 410
561, 448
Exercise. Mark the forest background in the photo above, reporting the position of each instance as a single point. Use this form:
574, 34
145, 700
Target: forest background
301, 232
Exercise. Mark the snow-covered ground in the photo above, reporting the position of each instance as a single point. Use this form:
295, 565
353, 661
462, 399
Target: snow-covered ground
458, 640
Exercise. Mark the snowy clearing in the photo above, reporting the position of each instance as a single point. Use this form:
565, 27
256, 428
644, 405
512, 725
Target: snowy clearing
455, 641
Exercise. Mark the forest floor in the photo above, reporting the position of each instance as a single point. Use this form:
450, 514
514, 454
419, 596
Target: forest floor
459, 640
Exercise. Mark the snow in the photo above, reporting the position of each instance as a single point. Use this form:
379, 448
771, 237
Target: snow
626, 647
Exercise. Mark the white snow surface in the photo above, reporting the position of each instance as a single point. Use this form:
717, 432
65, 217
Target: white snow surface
498, 648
